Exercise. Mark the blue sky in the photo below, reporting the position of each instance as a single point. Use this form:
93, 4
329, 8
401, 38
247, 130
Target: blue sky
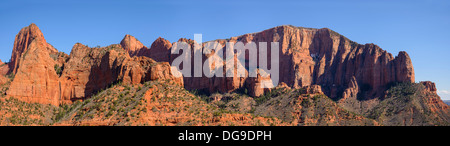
420, 27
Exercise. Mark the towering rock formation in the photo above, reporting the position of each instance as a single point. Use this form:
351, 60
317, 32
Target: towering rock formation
307, 57
35, 76
44, 75
320, 61
133, 46
160, 51
90, 70
323, 57
22, 42
311, 57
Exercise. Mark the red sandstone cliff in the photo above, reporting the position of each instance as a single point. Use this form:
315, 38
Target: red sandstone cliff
321, 60
133, 46
2, 73
160, 51
22, 42
90, 70
311, 57
44, 75
307, 57
35, 77
4, 68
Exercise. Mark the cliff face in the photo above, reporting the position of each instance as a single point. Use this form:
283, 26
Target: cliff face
90, 70
44, 75
24, 38
3, 79
160, 51
323, 57
4, 68
311, 57
35, 78
307, 57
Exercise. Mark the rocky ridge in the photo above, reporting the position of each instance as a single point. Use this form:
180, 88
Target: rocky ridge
325, 79
46, 76
309, 57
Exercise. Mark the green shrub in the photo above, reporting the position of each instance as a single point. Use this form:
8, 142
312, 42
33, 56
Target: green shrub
58, 69
109, 114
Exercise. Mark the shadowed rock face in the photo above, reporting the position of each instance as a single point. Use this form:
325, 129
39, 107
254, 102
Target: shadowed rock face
311, 57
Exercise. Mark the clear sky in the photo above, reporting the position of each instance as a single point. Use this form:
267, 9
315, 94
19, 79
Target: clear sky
420, 27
